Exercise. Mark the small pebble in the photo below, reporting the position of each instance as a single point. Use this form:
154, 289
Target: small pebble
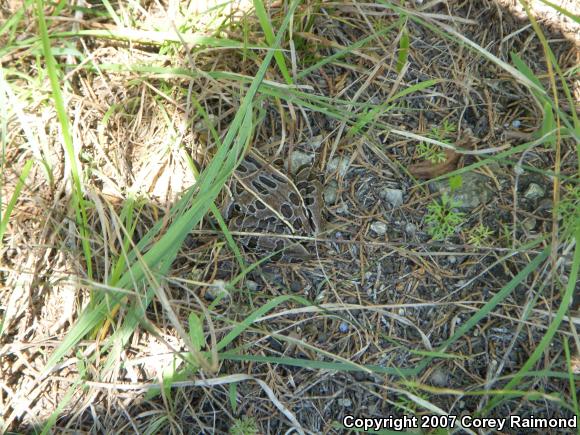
299, 159
410, 229
315, 142
439, 378
342, 208
545, 204
392, 196
343, 327
330, 192
339, 164
251, 285
296, 286
345, 403
218, 288
380, 228
534, 191
529, 223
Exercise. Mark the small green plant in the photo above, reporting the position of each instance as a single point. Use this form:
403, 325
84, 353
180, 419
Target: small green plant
569, 208
430, 152
478, 235
434, 153
244, 426
442, 218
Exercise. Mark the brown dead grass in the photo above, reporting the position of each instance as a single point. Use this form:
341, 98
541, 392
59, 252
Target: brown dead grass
384, 296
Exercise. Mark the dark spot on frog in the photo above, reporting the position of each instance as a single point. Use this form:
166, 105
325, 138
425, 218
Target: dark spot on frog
269, 183
260, 188
302, 185
294, 199
278, 178
251, 242
286, 210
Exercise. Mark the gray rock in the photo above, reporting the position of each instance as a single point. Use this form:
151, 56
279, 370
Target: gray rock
534, 191
299, 159
529, 223
251, 285
338, 164
344, 402
439, 378
315, 142
392, 196
342, 208
545, 204
410, 229
380, 228
473, 191
217, 289
330, 192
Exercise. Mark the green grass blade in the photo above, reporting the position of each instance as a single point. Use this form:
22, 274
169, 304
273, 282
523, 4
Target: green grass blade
497, 298
320, 365
553, 328
270, 39
351, 48
76, 173
525, 70
403, 50
245, 324
14, 198
160, 256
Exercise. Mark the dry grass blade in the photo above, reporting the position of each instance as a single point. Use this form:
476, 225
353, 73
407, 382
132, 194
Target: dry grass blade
407, 244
